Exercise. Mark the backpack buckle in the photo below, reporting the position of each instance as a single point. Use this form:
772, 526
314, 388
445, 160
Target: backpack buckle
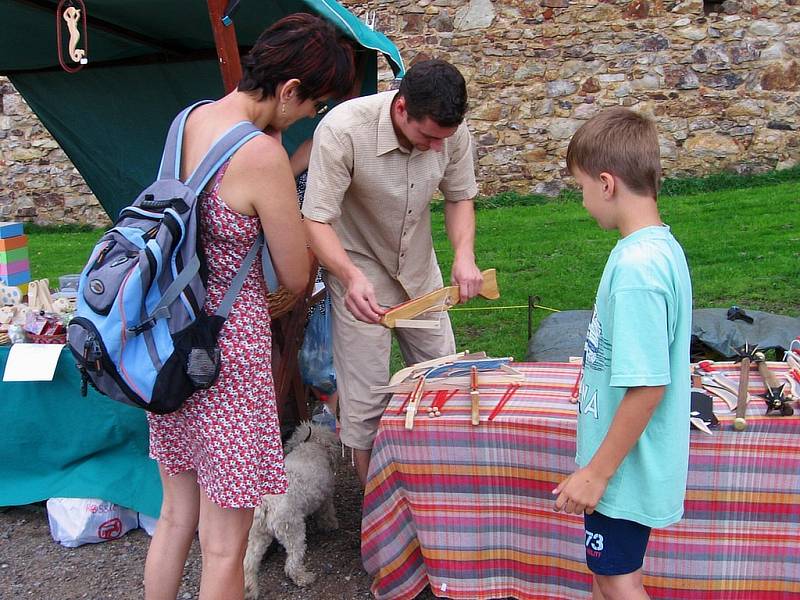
142, 327
92, 354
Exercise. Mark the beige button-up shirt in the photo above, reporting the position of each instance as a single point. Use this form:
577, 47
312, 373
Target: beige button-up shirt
376, 194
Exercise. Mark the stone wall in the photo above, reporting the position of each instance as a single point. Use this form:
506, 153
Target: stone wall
37, 181
721, 79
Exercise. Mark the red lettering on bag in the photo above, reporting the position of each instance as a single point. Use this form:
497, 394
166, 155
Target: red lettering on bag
110, 529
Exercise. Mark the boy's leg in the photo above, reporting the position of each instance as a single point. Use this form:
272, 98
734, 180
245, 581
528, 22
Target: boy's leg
615, 551
619, 587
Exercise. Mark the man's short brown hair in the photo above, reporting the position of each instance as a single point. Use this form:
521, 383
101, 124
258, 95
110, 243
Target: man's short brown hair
621, 142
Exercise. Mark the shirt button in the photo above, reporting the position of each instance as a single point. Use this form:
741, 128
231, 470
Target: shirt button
412, 185
402, 255
409, 212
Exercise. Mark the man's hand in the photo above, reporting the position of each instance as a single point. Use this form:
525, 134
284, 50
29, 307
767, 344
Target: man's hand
580, 492
360, 299
467, 276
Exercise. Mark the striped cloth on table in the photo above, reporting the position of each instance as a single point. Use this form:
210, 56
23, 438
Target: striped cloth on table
468, 509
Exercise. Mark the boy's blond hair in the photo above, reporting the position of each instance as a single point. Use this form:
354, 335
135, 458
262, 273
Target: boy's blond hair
621, 142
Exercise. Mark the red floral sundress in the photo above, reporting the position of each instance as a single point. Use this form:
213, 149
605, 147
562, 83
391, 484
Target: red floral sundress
229, 433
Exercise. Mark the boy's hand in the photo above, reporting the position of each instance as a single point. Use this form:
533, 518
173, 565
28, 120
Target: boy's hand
580, 492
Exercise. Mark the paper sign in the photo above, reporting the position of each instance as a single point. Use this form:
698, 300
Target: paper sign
32, 362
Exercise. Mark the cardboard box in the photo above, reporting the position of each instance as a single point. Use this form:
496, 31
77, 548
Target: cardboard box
12, 243
17, 279
12, 256
10, 229
19, 266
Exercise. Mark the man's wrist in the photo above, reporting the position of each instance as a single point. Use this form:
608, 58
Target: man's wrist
351, 274
464, 255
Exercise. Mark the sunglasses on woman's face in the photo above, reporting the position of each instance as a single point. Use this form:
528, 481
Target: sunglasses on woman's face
321, 107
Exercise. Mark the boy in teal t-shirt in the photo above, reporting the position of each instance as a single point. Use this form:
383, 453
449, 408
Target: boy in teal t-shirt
633, 415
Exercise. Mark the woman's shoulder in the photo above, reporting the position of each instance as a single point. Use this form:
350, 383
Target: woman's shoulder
260, 153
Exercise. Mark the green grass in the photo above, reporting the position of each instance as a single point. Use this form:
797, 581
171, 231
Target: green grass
59, 250
684, 186
743, 247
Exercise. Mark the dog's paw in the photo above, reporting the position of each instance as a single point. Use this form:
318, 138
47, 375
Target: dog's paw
302, 578
251, 591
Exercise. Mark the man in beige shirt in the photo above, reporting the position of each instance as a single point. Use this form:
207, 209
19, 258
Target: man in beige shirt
375, 164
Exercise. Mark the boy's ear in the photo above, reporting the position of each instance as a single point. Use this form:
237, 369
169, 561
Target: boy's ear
609, 185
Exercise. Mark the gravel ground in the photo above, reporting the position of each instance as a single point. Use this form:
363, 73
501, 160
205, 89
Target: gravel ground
32, 565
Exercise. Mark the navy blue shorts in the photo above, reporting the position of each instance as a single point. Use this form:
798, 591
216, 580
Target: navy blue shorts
614, 546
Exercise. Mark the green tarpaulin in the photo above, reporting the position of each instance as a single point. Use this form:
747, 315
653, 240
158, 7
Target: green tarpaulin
147, 60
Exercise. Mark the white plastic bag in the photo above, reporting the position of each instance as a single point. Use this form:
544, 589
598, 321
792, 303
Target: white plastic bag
77, 521
148, 523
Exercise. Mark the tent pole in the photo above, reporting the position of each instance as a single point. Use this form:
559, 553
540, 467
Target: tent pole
227, 46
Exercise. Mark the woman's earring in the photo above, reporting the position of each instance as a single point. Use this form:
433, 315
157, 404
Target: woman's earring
283, 109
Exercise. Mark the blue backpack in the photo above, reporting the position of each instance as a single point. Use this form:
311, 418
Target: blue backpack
140, 334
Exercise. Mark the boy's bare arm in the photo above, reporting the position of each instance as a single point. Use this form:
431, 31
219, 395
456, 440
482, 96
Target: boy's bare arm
582, 490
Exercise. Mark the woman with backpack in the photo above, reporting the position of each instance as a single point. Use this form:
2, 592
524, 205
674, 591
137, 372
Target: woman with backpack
221, 451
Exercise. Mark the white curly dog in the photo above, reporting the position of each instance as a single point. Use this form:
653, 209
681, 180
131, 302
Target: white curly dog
310, 455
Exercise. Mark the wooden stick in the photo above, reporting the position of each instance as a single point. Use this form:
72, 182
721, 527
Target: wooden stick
474, 396
771, 382
411, 409
740, 422
506, 397
418, 323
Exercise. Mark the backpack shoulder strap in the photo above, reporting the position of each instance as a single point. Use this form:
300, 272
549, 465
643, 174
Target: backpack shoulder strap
170, 166
222, 149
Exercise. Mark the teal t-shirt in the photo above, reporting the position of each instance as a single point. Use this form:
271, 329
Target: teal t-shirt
639, 336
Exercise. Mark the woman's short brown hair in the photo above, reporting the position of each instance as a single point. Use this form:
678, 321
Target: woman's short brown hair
621, 142
304, 47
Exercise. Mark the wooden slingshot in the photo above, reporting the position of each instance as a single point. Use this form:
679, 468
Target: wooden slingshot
402, 315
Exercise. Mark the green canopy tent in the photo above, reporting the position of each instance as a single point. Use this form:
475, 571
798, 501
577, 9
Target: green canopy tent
146, 60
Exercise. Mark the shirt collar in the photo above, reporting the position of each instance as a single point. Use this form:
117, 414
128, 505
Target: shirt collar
387, 138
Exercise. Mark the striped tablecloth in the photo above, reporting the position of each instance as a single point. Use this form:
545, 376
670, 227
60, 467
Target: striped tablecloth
469, 509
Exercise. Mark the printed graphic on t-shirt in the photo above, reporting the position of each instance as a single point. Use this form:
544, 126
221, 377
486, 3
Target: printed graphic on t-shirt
596, 348
587, 404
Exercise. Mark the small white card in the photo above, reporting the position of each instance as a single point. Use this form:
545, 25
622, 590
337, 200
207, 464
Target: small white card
32, 362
